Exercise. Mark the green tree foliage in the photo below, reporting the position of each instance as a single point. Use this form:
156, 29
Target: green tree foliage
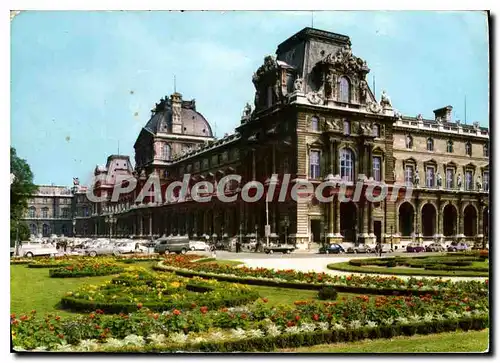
20, 191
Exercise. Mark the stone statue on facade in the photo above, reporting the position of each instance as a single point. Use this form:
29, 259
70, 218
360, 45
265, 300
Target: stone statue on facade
247, 110
298, 84
439, 180
419, 117
479, 184
314, 98
459, 181
416, 178
329, 85
385, 100
363, 91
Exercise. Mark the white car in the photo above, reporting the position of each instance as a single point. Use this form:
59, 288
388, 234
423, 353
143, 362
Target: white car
31, 249
130, 247
198, 246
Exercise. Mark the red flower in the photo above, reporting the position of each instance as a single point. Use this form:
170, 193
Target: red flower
224, 310
51, 328
243, 316
99, 311
24, 318
33, 311
315, 317
91, 315
290, 323
155, 316
97, 326
12, 316
193, 305
139, 305
265, 300
203, 309
176, 312
297, 317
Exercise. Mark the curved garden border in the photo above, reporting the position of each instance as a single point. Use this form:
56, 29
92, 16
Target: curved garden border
291, 285
388, 271
64, 273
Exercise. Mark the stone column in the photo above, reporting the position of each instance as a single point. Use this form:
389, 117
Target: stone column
141, 230
151, 224
337, 218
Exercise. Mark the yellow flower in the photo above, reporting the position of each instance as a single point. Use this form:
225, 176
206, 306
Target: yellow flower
175, 284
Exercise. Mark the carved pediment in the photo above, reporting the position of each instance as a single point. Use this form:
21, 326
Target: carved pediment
332, 125
345, 62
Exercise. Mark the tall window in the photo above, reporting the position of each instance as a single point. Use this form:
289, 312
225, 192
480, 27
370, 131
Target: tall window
430, 144
65, 213
469, 182
45, 230
45, 212
314, 123
468, 148
486, 151
486, 181
376, 130
166, 152
347, 165
314, 164
409, 142
347, 127
449, 146
33, 229
450, 176
32, 212
85, 211
344, 90
429, 177
377, 168
409, 174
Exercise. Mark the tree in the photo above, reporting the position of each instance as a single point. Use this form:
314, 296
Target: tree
21, 189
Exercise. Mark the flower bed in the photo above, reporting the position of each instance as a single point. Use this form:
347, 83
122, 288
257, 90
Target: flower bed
157, 292
259, 326
306, 280
448, 265
87, 268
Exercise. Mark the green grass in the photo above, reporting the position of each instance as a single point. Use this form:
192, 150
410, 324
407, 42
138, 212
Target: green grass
221, 262
33, 289
345, 266
473, 341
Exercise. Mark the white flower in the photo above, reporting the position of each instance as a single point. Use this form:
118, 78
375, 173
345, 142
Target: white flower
63, 348
338, 326
467, 314
238, 333
113, 343
273, 330
371, 324
292, 330
40, 349
308, 327
402, 320
87, 345
452, 314
196, 340
323, 325
18, 348
177, 338
255, 333
428, 317
415, 318
355, 324
133, 339
217, 335
156, 338
439, 317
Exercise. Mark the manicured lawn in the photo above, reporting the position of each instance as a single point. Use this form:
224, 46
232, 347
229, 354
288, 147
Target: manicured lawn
345, 266
33, 289
221, 262
473, 341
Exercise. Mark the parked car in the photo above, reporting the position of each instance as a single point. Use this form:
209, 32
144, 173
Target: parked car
331, 248
362, 248
279, 248
102, 249
178, 244
435, 247
413, 247
458, 246
31, 249
131, 247
386, 248
199, 246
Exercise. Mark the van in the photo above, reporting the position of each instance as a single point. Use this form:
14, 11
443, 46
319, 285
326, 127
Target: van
177, 244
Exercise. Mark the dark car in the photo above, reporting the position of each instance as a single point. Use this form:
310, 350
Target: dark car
331, 248
414, 248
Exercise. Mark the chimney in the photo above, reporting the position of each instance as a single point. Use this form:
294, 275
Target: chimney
445, 113
176, 100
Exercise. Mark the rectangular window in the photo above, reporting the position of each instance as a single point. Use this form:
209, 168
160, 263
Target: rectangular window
469, 184
429, 177
377, 168
314, 164
409, 174
486, 181
450, 176
45, 213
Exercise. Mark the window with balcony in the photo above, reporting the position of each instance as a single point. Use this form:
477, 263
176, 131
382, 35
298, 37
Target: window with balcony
409, 171
314, 164
469, 180
347, 164
450, 177
344, 90
377, 168
429, 177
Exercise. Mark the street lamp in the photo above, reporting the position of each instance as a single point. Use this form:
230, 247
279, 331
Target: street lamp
286, 223
392, 247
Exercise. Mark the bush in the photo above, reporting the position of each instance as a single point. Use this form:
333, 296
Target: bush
327, 293
391, 263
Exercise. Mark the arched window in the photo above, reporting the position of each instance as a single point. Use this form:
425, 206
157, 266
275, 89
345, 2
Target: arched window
45, 212
46, 230
430, 144
409, 142
468, 148
32, 212
314, 123
347, 164
449, 146
376, 130
344, 91
486, 151
33, 229
166, 152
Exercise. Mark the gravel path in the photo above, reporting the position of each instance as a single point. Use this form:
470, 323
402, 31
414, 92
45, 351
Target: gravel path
319, 265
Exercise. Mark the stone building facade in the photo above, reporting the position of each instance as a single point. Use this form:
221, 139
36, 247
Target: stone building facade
314, 118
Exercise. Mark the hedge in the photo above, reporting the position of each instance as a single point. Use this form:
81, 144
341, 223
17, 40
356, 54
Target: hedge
75, 304
53, 265
269, 344
63, 273
295, 285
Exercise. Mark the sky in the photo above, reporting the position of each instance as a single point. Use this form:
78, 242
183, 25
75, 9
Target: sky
83, 83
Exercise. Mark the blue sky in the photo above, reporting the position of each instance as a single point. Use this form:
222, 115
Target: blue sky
82, 81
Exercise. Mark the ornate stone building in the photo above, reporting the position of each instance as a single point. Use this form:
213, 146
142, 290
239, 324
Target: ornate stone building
315, 118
